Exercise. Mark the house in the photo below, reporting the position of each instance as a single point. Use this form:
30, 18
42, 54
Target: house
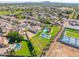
34, 29
74, 24
3, 42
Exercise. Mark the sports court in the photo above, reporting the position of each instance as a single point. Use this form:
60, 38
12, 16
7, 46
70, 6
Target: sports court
70, 38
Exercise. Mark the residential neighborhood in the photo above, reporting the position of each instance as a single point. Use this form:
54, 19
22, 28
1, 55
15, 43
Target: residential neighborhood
43, 29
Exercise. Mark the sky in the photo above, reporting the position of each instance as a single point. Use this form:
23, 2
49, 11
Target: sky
64, 1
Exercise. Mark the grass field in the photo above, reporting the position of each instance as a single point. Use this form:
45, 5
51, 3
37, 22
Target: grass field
72, 33
39, 43
54, 30
5, 12
24, 51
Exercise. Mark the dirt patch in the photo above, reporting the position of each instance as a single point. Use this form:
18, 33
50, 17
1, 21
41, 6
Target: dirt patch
62, 50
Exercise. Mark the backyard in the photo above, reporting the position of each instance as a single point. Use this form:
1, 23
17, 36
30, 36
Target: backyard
39, 43
24, 50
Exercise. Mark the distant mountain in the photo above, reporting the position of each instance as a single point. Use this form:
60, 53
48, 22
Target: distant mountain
46, 1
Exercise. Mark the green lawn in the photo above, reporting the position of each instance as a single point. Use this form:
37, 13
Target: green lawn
24, 51
54, 30
72, 33
5, 12
39, 43
72, 30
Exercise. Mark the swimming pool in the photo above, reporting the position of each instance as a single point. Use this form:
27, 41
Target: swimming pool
45, 36
46, 30
17, 46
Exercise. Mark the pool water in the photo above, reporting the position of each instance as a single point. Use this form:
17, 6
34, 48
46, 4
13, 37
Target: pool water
17, 46
45, 30
45, 36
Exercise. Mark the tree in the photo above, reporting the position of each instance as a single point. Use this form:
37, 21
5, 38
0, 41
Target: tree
20, 16
60, 19
14, 37
12, 52
46, 21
